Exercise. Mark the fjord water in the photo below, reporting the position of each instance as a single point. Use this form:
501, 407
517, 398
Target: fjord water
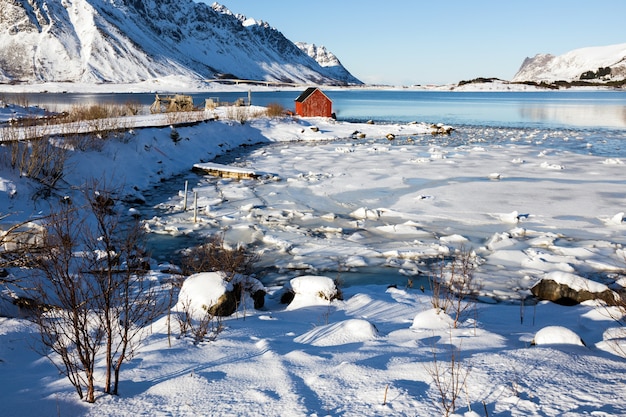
537, 109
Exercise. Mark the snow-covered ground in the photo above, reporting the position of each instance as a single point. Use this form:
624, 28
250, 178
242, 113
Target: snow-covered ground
526, 206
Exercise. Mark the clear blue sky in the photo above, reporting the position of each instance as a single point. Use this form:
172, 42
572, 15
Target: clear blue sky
404, 42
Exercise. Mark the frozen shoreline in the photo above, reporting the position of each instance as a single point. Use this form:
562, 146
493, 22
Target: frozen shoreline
528, 207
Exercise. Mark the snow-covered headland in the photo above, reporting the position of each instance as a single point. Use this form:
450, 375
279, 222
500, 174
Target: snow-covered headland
526, 207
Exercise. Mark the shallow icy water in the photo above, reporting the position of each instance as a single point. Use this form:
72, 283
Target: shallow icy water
528, 201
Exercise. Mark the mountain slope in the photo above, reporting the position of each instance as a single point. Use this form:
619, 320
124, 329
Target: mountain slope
601, 64
327, 60
126, 41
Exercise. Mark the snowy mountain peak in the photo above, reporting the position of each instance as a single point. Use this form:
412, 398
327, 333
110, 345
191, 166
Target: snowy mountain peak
319, 53
327, 60
127, 41
600, 64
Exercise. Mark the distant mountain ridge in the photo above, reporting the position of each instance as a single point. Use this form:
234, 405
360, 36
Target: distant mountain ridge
128, 41
601, 64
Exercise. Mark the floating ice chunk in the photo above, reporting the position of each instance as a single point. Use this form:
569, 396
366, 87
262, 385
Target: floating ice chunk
365, 213
495, 176
283, 244
329, 216
547, 165
618, 218
512, 217
424, 197
499, 241
133, 212
355, 261
404, 229
518, 161
344, 149
613, 161
453, 239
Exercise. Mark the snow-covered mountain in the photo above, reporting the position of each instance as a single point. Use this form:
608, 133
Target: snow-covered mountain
127, 41
600, 64
327, 60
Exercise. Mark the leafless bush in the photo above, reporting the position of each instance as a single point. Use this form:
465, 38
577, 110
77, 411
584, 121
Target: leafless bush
240, 114
215, 256
100, 111
449, 377
182, 117
91, 272
17, 241
453, 285
201, 326
40, 158
275, 110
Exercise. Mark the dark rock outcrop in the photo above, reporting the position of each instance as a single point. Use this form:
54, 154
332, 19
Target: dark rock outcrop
569, 289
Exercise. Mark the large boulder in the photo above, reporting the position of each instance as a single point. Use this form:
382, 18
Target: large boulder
310, 290
219, 294
569, 289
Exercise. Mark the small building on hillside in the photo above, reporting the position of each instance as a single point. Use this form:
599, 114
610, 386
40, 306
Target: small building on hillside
313, 103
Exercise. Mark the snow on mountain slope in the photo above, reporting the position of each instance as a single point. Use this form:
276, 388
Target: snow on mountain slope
327, 60
590, 63
125, 41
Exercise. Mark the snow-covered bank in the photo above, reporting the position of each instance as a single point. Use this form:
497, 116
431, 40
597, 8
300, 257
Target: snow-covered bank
527, 206
369, 355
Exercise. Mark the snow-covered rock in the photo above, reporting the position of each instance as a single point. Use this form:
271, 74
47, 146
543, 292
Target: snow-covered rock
557, 335
311, 290
215, 293
567, 288
341, 333
432, 319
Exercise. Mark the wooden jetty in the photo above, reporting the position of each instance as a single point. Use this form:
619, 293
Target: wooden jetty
228, 171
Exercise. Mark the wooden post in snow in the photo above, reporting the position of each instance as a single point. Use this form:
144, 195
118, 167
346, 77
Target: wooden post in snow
195, 206
185, 199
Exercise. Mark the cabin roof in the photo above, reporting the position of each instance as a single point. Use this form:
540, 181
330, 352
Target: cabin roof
306, 93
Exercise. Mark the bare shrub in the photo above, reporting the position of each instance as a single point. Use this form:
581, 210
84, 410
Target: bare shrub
238, 113
17, 241
40, 158
91, 274
453, 285
101, 111
275, 110
201, 326
449, 377
214, 256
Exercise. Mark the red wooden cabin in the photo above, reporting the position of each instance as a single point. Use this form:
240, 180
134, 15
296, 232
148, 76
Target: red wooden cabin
313, 103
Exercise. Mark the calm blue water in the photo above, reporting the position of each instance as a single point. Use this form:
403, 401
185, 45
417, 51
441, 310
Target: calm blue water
545, 109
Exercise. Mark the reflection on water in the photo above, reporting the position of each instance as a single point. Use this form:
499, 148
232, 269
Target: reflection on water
605, 115
544, 109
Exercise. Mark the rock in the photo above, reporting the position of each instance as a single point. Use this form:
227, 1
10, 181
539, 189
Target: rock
568, 289
557, 335
310, 290
219, 293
